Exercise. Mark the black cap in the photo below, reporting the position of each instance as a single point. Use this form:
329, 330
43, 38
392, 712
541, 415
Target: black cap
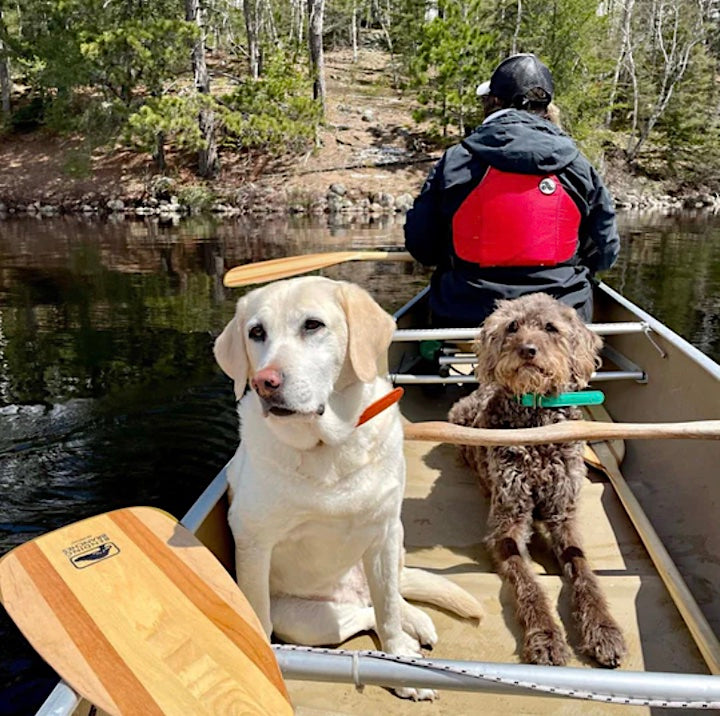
516, 76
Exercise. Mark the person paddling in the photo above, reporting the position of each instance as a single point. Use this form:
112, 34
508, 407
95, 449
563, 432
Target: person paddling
513, 209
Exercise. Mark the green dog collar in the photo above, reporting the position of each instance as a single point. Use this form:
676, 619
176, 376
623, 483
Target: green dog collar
561, 400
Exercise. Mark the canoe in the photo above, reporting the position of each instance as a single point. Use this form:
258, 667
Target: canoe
649, 525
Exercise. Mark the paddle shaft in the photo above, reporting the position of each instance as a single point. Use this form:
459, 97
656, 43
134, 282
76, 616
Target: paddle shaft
681, 595
568, 431
275, 269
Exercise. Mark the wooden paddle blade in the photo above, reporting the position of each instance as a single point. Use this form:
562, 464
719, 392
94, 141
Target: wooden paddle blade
140, 618
275, 269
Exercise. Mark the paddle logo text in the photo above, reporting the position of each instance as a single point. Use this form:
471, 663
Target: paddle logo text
90, 550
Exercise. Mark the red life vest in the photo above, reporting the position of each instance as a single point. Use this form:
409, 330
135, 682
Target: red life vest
516, 220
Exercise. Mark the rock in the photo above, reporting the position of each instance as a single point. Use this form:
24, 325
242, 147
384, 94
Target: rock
385, 200
404, 202
338, 189
367, 115
115, 205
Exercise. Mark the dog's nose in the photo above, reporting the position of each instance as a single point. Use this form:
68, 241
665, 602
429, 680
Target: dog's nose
266, 381
527, 350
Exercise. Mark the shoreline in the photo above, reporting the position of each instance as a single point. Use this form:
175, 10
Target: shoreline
259, 200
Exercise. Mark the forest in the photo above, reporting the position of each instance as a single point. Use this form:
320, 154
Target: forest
636, 80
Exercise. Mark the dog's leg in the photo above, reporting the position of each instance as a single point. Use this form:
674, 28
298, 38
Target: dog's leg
602, 638
252, 568
382, 562
418, 625
543, 639
318, 623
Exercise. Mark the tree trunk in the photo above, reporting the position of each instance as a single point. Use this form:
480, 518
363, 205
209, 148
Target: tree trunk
518, 24
675, 53
251, 11
5, 77
208, 164
316, 13
5, 83
159, 153
354, 31
625, 45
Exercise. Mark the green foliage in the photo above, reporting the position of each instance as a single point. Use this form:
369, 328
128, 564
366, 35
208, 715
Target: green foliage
688, 130
109, 69
77, 163
449, 59
173, 116
449, 56
274, 113
140, 50
196, 197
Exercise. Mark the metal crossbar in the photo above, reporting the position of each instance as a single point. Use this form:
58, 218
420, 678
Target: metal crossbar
458, 378
468, 334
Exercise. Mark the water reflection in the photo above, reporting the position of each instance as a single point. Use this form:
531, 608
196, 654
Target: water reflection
109, 394
670, 266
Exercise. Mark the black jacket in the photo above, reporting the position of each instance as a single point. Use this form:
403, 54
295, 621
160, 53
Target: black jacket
519, 142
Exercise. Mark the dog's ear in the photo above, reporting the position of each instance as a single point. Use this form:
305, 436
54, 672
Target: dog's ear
487, 345
230, 350
370, 330
584, 350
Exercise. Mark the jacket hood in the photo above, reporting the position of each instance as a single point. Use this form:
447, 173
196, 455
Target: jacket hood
522, 142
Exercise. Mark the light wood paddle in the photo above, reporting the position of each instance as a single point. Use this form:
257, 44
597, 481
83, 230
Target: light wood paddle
140, 618
274, 269
439, 431
607, 457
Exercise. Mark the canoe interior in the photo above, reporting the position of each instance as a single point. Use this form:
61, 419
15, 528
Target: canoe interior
444, 514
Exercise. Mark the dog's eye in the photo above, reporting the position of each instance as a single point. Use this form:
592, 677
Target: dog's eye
513, 327
551, 328
312, 324
257, 333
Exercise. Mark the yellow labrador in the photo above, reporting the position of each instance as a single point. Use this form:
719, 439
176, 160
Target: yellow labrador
314, 499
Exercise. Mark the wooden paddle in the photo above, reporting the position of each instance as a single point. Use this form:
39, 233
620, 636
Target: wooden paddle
140, 618
274, 269
438, 431
603, 457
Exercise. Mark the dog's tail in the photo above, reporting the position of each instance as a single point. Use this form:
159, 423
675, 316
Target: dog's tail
422, 586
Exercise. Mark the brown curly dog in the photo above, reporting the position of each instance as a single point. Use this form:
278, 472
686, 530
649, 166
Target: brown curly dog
535, 344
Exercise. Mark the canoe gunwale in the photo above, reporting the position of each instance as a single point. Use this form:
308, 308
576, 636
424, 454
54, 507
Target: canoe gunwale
367, 667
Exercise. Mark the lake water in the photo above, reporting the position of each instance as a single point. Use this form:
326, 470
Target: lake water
109, 393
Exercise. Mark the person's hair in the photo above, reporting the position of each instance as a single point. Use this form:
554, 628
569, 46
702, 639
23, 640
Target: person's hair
534, 100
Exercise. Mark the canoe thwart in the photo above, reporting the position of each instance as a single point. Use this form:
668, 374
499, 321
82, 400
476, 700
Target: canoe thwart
439, 431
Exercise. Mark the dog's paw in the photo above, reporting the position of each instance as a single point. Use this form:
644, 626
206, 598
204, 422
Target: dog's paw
406, 645
415, 694
546, 646
417, 624
604, 642
403, 645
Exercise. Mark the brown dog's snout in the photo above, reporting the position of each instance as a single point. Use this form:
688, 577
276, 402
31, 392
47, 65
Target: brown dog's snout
527, 350
267, 381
